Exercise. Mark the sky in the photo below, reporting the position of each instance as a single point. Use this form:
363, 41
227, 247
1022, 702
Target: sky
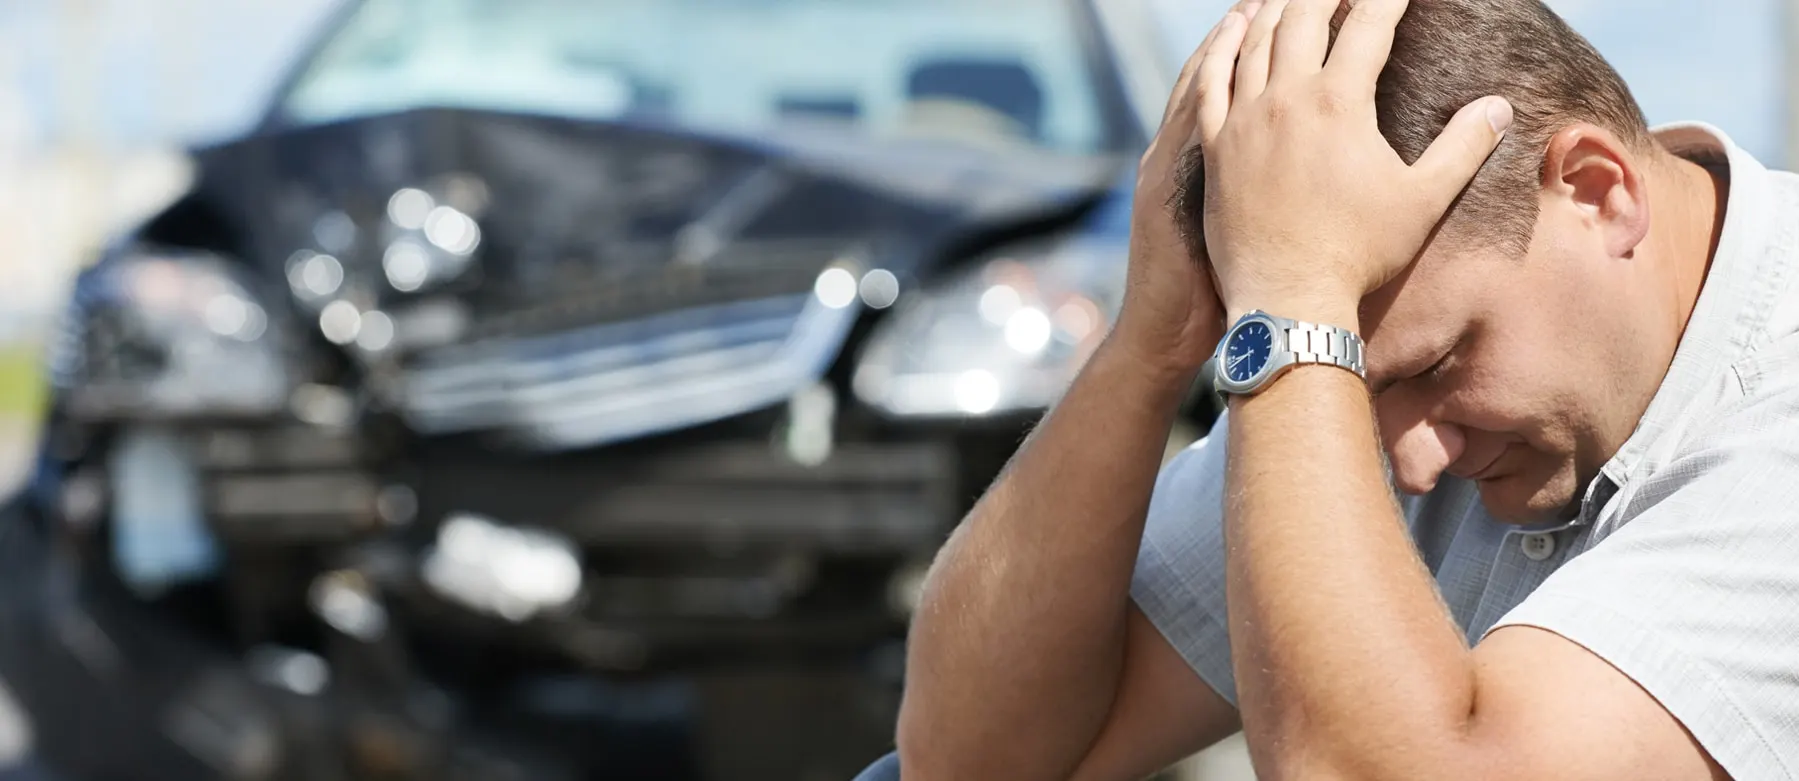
149, 72
198, 69
1716, 61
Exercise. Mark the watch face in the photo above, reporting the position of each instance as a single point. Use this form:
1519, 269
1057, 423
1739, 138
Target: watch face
1249, 350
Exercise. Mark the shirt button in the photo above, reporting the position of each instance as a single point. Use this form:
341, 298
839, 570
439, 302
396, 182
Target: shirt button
1537, 547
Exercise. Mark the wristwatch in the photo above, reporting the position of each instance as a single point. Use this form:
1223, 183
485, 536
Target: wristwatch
1261, 347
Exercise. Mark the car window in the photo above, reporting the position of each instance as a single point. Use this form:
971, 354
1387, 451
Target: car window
1001, 71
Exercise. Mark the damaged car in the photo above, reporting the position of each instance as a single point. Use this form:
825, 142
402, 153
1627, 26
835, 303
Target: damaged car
555, 389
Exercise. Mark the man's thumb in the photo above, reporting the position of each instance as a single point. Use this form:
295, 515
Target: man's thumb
1457, 155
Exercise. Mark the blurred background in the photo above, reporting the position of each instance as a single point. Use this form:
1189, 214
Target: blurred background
544, 389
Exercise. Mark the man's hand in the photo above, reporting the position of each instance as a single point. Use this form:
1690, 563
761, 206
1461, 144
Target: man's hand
1172, 317
1307, 207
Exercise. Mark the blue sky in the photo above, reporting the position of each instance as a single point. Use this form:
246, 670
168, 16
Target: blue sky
1718, 61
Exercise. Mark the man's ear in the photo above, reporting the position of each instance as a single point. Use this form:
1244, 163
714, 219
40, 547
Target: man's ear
1588, 169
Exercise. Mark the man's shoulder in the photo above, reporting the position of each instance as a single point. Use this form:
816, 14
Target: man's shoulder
1747, 440
1763, 378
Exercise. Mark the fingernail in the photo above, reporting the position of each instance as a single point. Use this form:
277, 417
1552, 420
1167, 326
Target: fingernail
1249, 11
1499, 114
1232, 19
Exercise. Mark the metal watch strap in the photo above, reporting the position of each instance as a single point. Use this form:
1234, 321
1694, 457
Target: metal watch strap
1326, 344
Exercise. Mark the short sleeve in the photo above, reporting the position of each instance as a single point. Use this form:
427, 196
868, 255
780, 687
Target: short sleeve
1179, 580
1695, 595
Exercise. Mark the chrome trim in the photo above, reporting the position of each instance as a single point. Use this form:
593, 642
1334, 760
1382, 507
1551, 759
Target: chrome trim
621, 380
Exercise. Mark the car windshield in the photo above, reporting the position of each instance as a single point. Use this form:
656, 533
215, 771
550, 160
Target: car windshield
999, 71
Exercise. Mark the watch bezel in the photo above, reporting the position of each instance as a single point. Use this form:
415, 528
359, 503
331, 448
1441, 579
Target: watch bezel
1280, 358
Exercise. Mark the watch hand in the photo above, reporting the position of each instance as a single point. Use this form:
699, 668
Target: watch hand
1232, 364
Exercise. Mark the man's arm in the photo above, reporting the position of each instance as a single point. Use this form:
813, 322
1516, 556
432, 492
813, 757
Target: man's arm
1026, 660
1163, 712
1025, 643
1348, 665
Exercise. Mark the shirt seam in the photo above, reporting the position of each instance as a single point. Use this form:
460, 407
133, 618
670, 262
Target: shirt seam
1750, 326
1745, 373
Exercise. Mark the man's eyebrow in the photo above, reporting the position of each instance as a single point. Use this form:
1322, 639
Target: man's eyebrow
1382, 385
1379, 383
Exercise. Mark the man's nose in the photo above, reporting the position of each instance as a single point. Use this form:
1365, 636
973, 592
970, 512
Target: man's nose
1421, 450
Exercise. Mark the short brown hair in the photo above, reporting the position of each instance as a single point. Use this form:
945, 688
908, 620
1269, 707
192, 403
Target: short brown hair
1449, 53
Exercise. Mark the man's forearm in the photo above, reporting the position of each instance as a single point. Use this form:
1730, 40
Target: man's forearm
1016, 648
1348, 666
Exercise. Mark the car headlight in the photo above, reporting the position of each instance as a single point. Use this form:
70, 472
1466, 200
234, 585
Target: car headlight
168, 335
431, 234
1007, 334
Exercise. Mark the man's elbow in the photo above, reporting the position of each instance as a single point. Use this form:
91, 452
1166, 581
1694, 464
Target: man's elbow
1292, 762
932, 747
1300, 760
926, 751
909, 736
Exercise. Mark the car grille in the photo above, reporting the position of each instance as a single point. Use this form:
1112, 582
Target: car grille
605, 383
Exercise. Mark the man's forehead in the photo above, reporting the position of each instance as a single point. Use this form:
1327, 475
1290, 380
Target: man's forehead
1403, 322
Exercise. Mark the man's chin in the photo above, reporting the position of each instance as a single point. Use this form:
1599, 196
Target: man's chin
1522, 501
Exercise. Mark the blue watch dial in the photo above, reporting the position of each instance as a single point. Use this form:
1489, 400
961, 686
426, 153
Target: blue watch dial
1248, 352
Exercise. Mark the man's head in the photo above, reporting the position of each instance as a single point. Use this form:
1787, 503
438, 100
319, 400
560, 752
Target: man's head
1525, 343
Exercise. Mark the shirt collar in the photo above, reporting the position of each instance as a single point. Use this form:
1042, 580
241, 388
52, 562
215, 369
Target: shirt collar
1729, 313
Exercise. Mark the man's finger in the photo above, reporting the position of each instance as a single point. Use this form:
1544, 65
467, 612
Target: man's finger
1212, 83
1456, 156
1303, 38
1258, 44
1181, 114
1365, 41
1184, 84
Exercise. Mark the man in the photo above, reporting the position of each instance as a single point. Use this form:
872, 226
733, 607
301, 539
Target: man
1582, 364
